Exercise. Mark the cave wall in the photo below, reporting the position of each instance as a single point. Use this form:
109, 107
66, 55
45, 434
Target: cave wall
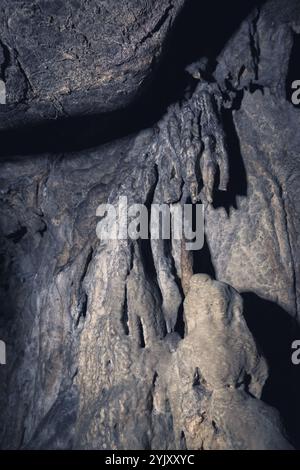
91, 362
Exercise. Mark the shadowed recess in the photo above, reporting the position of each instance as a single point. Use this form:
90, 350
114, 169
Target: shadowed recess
275, 331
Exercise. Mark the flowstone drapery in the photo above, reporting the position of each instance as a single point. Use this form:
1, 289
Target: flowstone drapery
130, 344
190, 153
197, 357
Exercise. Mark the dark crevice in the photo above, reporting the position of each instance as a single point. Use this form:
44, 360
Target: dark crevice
294, 68
131, 257
146, 256
196, 378
202, 261
198, 32
145, 244
180, 327
253, 87
22, 440
124, 317
288, 234
147, 261
116, 432
82, 307
160, 23
86, 267
83, 297
242, 70
275, 330
168, 255
215, 427
154, 380
232, 96
43, 230
6, 60
87, 263
182, 441
17, 236
180, 323
148, 264
141, 333
254, 44
245, 384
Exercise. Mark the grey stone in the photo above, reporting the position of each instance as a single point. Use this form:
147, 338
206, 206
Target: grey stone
130, 344
68, 58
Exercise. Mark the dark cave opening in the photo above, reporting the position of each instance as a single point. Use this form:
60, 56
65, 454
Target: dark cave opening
180, 323
275, 330
202, 261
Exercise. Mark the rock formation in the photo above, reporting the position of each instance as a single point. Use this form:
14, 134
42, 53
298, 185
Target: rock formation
138, 344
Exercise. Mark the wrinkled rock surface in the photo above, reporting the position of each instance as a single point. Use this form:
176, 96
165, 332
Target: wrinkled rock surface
217, 375
116, 344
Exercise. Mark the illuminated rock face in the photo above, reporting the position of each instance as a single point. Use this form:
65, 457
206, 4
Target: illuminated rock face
217, 375
137, 344
66, 58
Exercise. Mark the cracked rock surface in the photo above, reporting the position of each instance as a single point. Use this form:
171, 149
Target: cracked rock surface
136, 344
75, 57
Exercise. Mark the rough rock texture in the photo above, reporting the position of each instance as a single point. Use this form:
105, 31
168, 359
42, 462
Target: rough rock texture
262, 207
217, 376
74, 57
116, 344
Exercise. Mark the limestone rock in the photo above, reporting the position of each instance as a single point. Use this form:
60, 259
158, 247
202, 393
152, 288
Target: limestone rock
70, 58
114, 344
217, 375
